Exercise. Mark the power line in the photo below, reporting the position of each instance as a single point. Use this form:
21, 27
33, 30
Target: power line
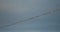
46, 13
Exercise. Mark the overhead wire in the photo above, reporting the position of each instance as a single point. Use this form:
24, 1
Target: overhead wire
46, 13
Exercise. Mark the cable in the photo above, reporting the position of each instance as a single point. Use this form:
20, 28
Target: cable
49, 12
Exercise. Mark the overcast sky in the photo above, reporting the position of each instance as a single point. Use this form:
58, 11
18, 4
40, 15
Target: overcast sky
12, 11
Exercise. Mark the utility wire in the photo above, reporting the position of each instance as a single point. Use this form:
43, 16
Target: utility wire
46, 13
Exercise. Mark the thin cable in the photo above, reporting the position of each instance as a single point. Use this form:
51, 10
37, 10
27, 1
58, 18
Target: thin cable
49, 12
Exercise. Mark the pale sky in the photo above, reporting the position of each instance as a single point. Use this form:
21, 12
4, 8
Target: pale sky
12, 11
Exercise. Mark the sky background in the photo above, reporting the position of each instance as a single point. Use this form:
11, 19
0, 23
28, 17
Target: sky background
12, 11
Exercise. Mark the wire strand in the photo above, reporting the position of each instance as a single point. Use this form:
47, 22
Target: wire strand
46, 13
